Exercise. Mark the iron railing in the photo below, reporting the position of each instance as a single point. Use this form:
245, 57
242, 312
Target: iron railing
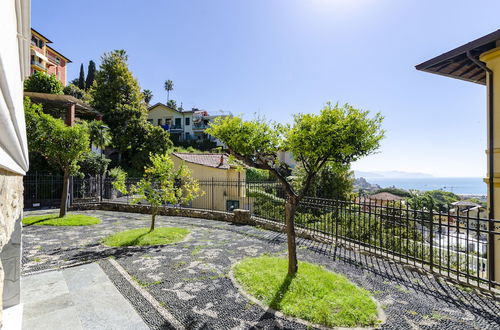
458, 243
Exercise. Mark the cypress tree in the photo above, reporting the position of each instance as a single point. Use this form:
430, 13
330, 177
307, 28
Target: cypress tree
90, 75
81, 78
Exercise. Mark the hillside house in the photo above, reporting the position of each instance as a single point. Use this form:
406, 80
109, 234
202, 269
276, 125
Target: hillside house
223, 183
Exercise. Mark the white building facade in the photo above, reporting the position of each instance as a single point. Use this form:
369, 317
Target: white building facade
183, 125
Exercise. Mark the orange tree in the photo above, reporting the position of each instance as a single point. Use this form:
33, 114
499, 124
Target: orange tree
161, 184
338, 134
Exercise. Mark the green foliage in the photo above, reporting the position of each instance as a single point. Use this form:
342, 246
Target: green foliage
334, 181
81, 78
172, 104
169, 86
119, 176
437, 200
161, 184
55, 220
40, 82
74, 91
150, 139
254, 174
93, 164
394, 191
143, 237
203, 145
63, 146
116, 94
313, 294
100, 136
90, 75
339, 134
148, 95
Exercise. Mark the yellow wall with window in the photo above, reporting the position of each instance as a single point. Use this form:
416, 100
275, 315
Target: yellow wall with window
220, 186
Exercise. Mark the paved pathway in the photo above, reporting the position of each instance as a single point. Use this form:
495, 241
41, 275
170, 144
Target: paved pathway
76, 298
188, 281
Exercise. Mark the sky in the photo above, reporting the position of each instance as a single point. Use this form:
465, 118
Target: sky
275, 58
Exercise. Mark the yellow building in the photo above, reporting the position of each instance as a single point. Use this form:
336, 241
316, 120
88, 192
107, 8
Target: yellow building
478, 61
46, 59
222, 182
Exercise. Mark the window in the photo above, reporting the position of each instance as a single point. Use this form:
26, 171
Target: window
187, 121
159, 121
150, 121
178, 122
58, 60
188, 136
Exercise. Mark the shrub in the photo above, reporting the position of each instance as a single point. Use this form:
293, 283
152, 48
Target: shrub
40, 82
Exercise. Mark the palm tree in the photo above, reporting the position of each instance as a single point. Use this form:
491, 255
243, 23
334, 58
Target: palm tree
100, 136
169, 86
148, 95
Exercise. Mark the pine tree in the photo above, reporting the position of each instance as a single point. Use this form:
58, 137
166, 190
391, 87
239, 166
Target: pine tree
90, 75
81, 78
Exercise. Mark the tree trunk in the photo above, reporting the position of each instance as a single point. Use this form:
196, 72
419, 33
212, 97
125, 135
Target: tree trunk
64, 197
290, 208
153, 217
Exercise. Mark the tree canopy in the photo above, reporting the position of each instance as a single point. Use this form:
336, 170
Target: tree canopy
117, 95
90, 75
81, 78
148, 95
41, 82
62, 146
161, 184
338, 135
73, 90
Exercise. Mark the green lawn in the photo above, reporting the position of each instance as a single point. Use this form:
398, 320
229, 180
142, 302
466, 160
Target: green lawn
54, 220
314, 294
142, 236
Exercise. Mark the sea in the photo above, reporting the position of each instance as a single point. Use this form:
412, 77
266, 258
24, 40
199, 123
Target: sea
460, 186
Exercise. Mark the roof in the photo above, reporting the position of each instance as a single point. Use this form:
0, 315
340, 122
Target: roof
386, 196
166, 106
456, 64
210, 160
56, 100
465, 203
41, 35
55, 51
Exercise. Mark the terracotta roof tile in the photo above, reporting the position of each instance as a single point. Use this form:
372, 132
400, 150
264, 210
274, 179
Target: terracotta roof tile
211, 160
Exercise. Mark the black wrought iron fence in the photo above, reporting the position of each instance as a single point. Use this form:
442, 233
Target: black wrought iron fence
459, 243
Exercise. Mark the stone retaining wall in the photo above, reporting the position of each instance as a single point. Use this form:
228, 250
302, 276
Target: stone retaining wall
237, 216
11, 209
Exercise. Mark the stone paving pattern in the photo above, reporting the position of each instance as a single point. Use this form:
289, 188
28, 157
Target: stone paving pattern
190, 278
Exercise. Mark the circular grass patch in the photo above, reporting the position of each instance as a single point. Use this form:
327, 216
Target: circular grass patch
313, 294
54, 220
142, 237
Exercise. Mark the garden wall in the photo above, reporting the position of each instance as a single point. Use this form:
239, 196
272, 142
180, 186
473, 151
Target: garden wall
237, 216
11, 208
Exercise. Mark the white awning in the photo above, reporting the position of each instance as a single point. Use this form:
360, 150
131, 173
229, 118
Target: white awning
15, 35
40, 55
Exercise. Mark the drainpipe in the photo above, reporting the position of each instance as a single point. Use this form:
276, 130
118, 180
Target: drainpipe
491, 161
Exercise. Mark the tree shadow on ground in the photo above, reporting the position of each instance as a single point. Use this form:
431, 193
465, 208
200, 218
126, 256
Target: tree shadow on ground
274, 305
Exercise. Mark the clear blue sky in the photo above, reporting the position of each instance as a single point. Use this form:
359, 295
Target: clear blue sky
280, 57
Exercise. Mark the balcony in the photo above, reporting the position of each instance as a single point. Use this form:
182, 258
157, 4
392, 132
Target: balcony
200, 127
38, 65
176, 128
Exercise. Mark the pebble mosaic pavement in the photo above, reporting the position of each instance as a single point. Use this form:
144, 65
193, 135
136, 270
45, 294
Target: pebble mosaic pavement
190, 279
